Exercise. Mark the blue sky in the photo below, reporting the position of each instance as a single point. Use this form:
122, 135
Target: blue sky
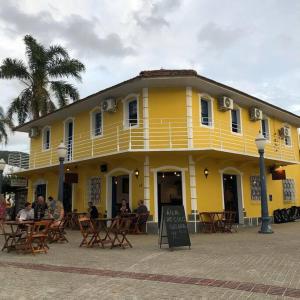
252, 45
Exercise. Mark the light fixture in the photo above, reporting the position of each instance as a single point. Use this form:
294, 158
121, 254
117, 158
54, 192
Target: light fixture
68, 169
163, 175
136, 173
175, 173
260, 142
231, 177
115, 180
205, 172
61, 151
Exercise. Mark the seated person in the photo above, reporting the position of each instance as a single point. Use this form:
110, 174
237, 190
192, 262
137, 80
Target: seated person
40, 208
124, 209
142, 208
56, 211
26, 213
93, 211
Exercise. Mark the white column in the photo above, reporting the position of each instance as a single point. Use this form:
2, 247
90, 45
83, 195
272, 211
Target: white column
146, 118
189, 116
147, 182
193, 191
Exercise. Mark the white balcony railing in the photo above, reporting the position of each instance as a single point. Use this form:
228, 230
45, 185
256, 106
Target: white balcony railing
160, 135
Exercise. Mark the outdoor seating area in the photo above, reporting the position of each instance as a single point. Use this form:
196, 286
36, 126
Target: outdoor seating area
217, 221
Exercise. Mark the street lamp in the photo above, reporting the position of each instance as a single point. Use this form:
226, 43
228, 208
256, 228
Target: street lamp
260, 142
2, 166
61, 153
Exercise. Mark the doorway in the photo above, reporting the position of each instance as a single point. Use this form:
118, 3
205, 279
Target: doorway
231, 197
169, 190
67, 197
41, 190
119, 191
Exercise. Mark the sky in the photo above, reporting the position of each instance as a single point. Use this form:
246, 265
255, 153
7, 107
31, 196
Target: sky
251, 45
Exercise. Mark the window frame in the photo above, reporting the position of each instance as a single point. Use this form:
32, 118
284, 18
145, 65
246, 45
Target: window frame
43, 138
210, 101
239, 109
93, 122
89, 180
65, 123
126, 101
265, 118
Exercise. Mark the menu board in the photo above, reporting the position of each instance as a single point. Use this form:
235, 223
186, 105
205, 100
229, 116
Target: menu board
173, 227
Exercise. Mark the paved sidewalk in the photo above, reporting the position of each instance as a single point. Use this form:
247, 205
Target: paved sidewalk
243, 265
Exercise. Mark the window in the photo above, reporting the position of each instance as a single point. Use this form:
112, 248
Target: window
46, 138
94, 189
236, 121
69, 137
265, 128
288, 189
206, 112
131, 111
97, 123
287, 136
255, 187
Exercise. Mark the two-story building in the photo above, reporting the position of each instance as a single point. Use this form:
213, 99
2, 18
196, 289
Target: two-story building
168, 137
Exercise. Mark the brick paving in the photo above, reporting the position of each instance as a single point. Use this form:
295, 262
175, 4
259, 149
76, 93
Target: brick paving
243, 265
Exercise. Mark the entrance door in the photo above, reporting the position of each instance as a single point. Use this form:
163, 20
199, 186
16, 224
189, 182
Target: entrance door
40, 190
231, 200
169, 189
67, 202
119, 192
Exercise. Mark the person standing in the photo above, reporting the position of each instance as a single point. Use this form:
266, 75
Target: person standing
93, 211
40, 208
2, 208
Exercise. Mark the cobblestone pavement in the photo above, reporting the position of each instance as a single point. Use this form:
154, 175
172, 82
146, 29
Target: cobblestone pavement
243, 265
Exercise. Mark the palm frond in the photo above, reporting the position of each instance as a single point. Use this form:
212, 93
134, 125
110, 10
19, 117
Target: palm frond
3, 133
13, 68
66, 68
56, 52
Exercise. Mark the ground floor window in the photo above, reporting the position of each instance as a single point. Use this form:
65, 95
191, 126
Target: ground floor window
288, 189
255, 187
94, 190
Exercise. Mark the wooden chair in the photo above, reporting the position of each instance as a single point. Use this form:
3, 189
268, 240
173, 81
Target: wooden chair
119, 229
206, 222
228, 221
57, 233
10, 237
37, 236
90, 235
138, 225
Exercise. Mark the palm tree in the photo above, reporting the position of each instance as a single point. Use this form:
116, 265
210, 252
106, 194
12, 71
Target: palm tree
42, 80
4, 124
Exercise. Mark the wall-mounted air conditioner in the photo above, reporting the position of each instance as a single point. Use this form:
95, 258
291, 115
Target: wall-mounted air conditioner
256, 114
34, 132
225, 103
109, 105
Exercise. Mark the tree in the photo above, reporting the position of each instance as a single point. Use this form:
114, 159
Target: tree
42, 79
5, 123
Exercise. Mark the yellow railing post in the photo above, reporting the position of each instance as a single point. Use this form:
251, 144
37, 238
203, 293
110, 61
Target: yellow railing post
170, 135
130, 137
118, 139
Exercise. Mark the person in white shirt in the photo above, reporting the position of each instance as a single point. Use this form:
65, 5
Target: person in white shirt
26, 213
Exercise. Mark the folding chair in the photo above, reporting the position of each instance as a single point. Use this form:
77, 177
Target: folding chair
57, 233
10, 237
37, 237
139, 223
229, 219
120, 228
206, 222
90, 235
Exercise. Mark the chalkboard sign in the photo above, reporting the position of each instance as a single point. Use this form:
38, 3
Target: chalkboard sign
173, 227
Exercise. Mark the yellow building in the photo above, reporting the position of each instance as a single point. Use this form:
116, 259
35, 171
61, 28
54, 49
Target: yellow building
168, 137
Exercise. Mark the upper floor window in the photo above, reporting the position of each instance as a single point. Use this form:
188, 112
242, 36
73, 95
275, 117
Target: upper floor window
287, 136
46, 138
97, 123
265, 128
131, 112
236, 125
206, 111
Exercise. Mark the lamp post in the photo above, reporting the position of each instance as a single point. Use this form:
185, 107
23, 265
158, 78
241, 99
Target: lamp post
61, 153
260, 142
2, 166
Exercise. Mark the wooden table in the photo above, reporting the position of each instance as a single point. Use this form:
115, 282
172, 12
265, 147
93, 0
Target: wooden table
212, 221
16, 232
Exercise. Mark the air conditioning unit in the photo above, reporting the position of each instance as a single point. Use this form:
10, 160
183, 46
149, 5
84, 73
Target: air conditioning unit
256, 114
225, 103
284, 132
34, 132
109, 105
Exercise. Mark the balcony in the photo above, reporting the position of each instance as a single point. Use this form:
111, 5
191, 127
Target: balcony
163, 135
